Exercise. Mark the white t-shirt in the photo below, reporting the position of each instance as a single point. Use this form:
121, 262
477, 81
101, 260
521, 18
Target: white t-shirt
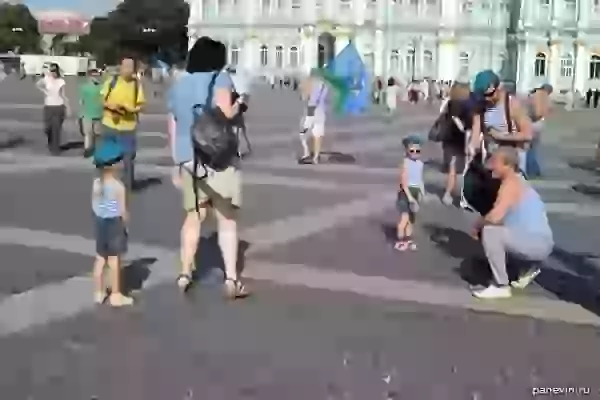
52, 89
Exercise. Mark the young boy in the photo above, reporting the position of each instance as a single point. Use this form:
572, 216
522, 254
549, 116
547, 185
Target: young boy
412, 190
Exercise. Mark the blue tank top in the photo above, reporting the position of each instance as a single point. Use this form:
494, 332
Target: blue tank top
529, 214
414, 171
106, 203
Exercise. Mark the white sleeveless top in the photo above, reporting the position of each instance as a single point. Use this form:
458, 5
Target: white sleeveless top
53, 88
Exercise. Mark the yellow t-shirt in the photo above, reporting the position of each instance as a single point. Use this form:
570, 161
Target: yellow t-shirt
122, 93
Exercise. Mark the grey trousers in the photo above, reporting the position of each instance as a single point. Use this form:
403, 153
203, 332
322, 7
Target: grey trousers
54, 116
498, 241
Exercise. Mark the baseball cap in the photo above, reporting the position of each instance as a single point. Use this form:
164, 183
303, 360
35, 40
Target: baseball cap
485, 80
547, 87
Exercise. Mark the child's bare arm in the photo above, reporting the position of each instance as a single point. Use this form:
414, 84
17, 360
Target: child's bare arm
122, 198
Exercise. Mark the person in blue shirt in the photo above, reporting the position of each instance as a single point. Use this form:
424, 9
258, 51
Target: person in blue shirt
220, 190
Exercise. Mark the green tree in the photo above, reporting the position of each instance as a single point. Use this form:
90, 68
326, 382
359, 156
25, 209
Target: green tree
147, 27
18, 29
57, 45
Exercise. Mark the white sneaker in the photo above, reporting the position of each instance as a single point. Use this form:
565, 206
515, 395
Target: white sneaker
526, 279
493, 292
447, 199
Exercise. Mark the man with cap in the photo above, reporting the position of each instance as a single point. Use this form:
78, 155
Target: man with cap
500, 118
539, 109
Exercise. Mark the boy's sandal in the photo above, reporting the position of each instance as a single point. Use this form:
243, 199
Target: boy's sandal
184, 281
412, 245
235, 289
401, 245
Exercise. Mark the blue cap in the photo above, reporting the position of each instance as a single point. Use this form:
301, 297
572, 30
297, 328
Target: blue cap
107, 153
484, 81
411, 140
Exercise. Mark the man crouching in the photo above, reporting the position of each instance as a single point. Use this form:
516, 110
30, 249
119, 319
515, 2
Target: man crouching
517, 226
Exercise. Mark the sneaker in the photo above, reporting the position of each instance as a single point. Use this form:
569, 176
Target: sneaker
493, 292
99, 297
526, 279
119, 300
447, 199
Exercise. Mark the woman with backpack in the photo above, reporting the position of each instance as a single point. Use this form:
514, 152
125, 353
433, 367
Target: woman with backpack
454, 140
208, 176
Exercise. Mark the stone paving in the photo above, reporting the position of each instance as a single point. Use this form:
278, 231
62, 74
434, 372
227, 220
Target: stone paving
337, 314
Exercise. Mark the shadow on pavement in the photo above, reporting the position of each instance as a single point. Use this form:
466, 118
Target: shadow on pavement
73, 145
146, 183
13, 143
588, 190
136, 273
588, 165
336, 157
580, 285
209, 260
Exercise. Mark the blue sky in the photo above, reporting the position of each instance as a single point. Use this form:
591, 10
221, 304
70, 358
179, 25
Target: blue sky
86, 7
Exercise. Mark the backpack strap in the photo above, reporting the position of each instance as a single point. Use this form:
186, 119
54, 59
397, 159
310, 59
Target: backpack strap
507, 105
111, 86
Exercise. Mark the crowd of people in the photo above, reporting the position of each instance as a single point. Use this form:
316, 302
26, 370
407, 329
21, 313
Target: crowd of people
489, 140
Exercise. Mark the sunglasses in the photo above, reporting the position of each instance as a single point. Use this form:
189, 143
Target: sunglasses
414, 151
490, 94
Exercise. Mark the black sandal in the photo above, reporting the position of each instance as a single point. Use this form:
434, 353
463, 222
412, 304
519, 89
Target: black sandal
235, 289
305, 160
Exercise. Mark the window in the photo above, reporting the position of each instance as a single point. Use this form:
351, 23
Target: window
463, 62
431, 2
540, 65
394, 61
570, 5
545, 3
428, 63
595, 67
345, 4
294, 57
279, 56
264, 55
296, 4
466, 7
566, 66
411, 61
234, 55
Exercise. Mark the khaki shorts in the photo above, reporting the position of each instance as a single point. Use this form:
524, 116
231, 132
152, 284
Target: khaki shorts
220, 188
90, 127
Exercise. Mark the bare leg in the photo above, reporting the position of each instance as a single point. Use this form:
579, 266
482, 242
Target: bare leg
117, 299
190, 235
99, 289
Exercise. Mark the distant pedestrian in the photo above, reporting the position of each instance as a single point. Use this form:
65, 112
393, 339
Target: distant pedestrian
410, 193
91, 104
588, 98
110, 219
596, 97
56, 106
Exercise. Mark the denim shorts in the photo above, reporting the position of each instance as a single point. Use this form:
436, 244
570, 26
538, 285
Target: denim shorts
402, 203
111, 237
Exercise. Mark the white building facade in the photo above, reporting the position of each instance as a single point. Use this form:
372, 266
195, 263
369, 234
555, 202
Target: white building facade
530, 41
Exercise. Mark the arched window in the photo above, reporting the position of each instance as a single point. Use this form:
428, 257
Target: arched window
428, 63
540, 64
279, 56
294, 57
566, 65
463, 62
411, 61
595, 67
394, 61
266, 7
264, 55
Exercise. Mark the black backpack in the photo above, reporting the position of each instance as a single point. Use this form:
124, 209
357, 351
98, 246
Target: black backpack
214, 140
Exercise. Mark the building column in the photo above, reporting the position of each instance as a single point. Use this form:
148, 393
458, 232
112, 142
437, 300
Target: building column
450, 12
359, 8
581, 66
309, 49
525, 66
553, 62
250, 53
447, 59
248, 11
378, 54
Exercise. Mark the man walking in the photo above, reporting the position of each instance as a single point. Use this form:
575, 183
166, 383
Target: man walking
123, 99
92, 109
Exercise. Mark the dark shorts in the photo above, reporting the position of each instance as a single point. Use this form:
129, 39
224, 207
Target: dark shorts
454, 155
111, 238
402, 203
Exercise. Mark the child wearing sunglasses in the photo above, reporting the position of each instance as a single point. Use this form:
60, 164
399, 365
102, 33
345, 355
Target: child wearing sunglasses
412, 190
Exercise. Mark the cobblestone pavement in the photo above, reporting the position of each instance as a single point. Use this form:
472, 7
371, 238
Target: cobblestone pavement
336, 313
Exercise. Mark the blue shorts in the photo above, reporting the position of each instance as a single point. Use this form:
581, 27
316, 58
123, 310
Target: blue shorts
126, 139
111, 237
